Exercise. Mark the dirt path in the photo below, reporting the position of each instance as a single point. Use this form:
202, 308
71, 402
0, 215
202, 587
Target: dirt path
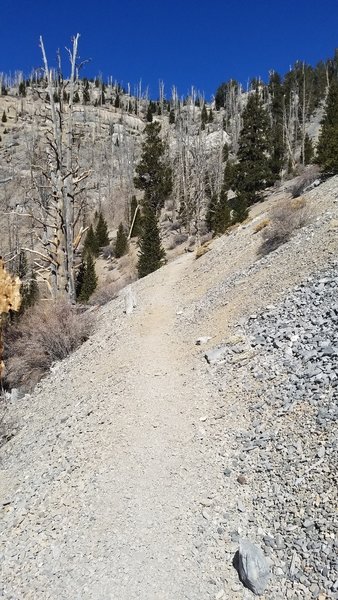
120, 521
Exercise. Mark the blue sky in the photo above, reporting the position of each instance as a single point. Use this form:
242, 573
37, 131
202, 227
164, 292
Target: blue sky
184, 43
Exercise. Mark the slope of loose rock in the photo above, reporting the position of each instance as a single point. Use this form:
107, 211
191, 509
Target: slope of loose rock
137, 466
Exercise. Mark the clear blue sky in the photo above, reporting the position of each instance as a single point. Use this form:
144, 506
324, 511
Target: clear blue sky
182, 42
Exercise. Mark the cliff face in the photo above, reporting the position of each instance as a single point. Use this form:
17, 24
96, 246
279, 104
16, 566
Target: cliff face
137, 464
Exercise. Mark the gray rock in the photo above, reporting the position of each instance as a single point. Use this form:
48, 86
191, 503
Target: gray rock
253, 567
216, 355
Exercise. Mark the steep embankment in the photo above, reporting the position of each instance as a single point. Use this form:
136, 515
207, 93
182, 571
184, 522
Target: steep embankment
138, 466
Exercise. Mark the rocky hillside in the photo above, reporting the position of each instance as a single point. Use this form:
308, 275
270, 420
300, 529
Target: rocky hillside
205, 417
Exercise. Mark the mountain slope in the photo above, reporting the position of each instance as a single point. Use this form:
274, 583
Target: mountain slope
117, 483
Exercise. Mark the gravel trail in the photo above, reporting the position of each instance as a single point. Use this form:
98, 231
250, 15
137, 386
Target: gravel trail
118, 519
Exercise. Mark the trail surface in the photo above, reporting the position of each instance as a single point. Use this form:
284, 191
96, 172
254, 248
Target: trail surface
119, 519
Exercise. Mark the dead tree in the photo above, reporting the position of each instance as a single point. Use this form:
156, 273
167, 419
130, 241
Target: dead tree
63, 181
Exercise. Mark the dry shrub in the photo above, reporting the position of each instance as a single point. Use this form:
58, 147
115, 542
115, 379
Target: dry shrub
46, 333
261, 225
201, 250
306, 181
285, 218
109, 291
177, 240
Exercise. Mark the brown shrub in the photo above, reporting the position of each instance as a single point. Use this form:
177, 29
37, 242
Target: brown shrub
261, 225
201, 250
286, 217
109, 291
177, 240
46, 333
306, 181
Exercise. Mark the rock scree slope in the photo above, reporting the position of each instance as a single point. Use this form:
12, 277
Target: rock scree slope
137, 467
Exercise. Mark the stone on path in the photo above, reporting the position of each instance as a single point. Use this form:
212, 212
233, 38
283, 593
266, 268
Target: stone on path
253, 567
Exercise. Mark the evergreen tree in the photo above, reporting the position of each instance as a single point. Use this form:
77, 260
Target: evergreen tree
29, 292
87, 279
101, 231
223, 213
47, 97
277, 109
79, 279
253, 170
56, 97
211, 213
225, 152
171, 117
240, 210
149, 116
76, 97
22, 89
121, 244
229, 176
29, 288
137, 227
327, 149
308, 150
154, 176
211, 116
117, 101
86, 94
204, 116
103, 97
91, 245
4, 117
151, 254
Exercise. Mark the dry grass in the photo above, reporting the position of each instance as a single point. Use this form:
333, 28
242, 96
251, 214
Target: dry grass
201, 250
261, 225
46, 333
285, 218
305, 181
109, 291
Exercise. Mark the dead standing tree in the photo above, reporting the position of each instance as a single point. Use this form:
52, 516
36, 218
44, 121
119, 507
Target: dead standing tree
63, 181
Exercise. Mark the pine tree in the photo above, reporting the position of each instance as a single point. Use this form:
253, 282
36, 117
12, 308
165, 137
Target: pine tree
240, 210
211, 213
86, 94
154, 176
223, 213
137, 227
29, 288
121, 244
91, 244
22, 89
87, 279
149, 116
4, 117
172, 117
225, 152
211, 116
277, 139
308, 150
117, 101
76, 98
327, 149
253, 170
151, 254
204, 116
101, 231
